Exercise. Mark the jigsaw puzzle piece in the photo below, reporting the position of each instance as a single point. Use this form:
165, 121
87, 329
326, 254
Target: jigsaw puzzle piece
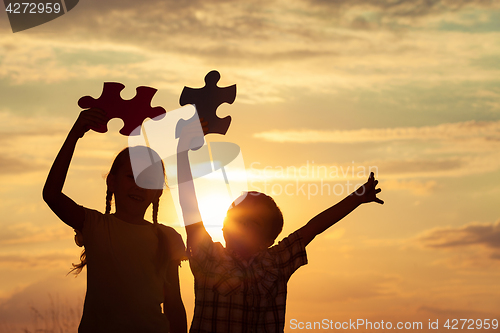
132, 112
207, 99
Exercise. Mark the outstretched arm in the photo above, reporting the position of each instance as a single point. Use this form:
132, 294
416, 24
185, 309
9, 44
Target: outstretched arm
324, 220
195, 230
65, 208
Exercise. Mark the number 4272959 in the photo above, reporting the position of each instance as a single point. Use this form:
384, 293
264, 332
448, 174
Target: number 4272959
470, 324
33, 8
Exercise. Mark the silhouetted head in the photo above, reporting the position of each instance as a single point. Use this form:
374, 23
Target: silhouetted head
135, 184
253, 222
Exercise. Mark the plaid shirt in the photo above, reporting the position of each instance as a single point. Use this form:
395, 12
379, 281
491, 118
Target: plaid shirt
232, 295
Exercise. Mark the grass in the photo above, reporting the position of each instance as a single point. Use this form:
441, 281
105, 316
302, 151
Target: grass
57, 317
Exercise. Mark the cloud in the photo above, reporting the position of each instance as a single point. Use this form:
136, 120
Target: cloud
437, 167
414, 186
472, 235
28, 233
350, 287
28, 59
13, 166
406, 8
13, 125
445, 150
484, 234
30, 144
396, 172
268, 47
488, 132
448, 313
54, 259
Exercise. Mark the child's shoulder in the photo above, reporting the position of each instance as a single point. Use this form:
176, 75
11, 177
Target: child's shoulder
174, 243
92, 215
294, 237
167, 230
170, 233
292, 243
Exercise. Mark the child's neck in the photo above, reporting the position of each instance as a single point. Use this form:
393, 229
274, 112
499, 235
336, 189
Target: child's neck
243, 252
130, 218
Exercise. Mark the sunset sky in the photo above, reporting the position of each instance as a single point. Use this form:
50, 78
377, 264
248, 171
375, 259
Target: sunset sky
409, 89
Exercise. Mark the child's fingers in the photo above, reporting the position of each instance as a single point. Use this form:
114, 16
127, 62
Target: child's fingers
94, 115
97, 110
377, 200
94, 111
92, 124
96, 119
378, 190
371, 178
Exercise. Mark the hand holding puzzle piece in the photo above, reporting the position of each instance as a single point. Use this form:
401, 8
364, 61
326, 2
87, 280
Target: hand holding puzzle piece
132, 111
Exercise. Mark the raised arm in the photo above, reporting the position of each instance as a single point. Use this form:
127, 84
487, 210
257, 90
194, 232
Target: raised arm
324, 220
187, 194
65, 208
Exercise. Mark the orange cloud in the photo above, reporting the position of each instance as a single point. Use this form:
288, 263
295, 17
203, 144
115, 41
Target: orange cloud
485, 235
52, 259
414, 186
462, 131
454, 313
28, 233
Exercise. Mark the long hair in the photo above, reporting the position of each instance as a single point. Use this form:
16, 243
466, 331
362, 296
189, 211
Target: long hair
122, 157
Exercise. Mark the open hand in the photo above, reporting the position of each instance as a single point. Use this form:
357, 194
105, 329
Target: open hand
368, 192
89, 119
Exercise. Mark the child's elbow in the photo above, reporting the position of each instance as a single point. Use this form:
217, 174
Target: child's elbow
46, 195
49, 196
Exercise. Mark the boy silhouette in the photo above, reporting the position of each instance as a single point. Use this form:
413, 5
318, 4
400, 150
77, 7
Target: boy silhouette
243, 287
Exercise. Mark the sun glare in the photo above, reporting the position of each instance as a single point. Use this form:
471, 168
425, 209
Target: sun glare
213, 208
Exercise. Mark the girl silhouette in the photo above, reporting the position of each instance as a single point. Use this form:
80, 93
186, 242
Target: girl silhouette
132, 263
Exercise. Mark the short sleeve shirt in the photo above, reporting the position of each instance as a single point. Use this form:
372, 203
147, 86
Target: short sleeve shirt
124, 287
234, 296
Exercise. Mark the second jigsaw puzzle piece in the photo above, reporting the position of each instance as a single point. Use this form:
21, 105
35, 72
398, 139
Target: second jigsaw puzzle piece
207, 99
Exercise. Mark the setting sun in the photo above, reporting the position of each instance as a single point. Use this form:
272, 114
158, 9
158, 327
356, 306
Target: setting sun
213, 210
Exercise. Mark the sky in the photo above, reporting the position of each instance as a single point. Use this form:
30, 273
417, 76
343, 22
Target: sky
327, 91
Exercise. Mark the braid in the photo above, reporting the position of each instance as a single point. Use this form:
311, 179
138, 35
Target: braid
160, 254
109, 197
156, 205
